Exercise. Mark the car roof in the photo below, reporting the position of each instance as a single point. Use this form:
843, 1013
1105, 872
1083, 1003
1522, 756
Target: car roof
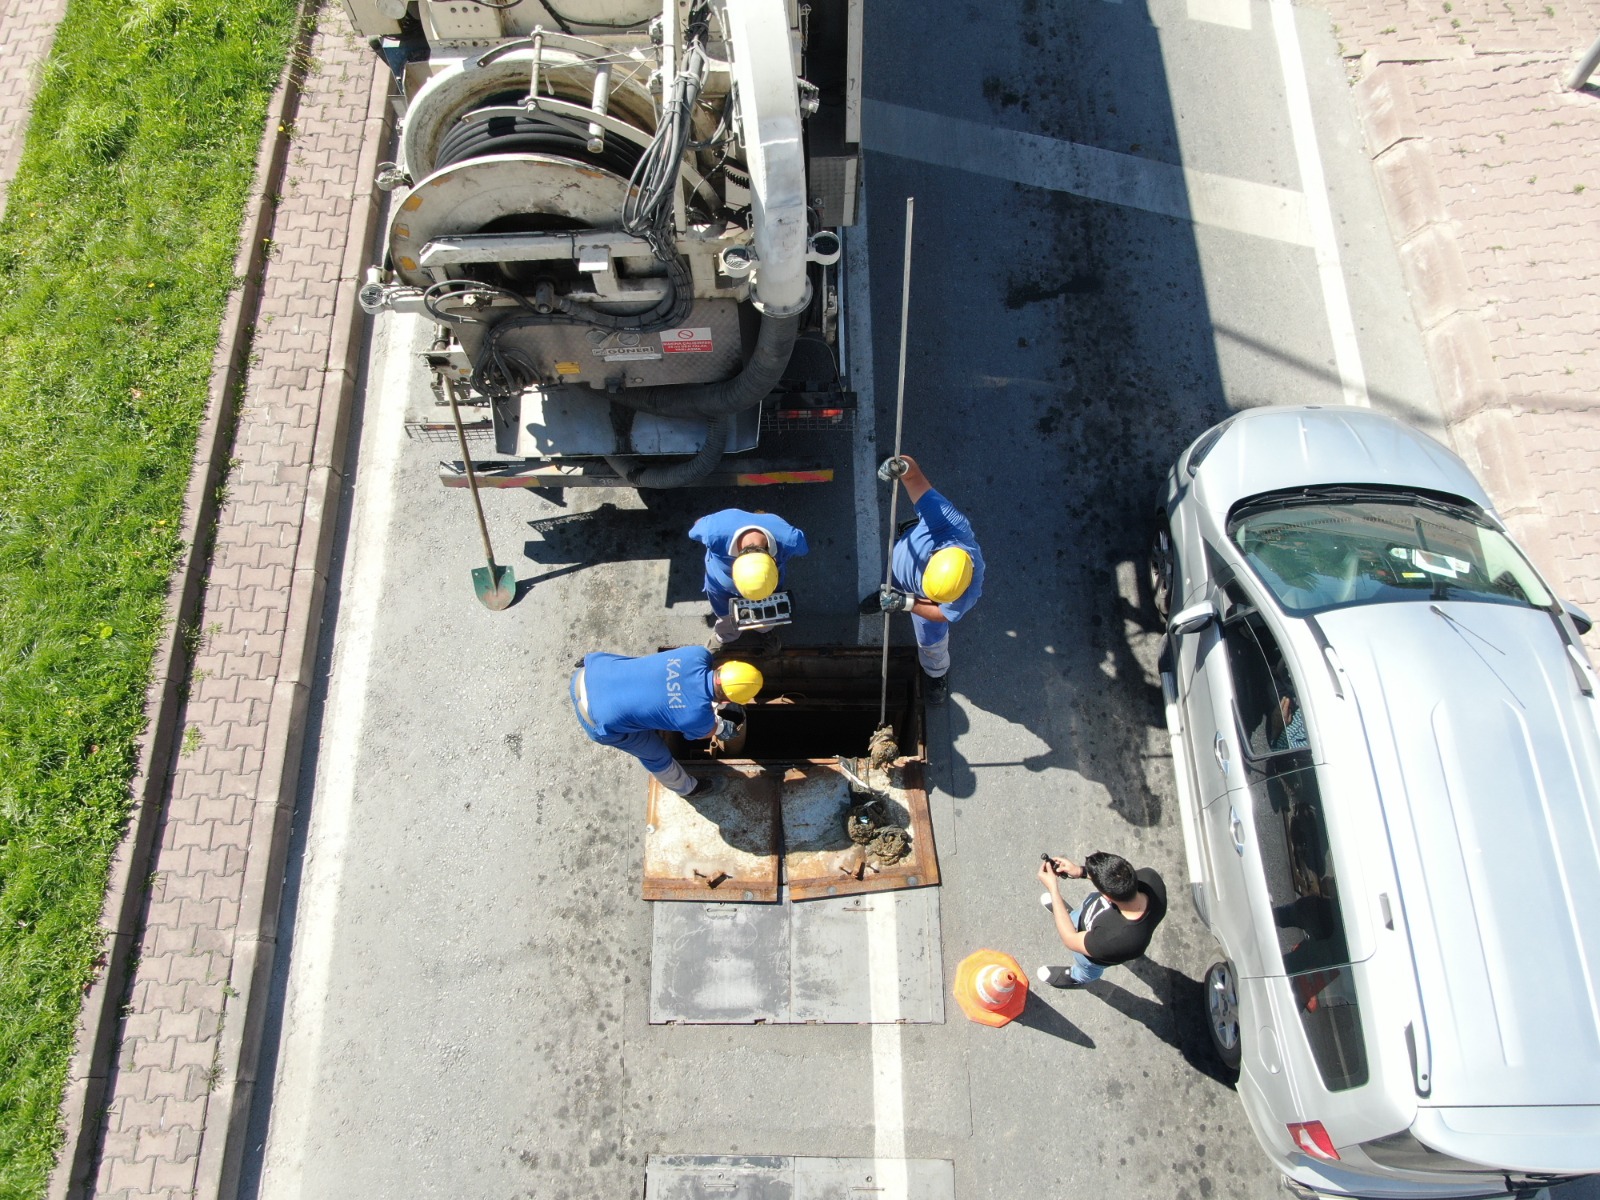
1271, 449
1487, 760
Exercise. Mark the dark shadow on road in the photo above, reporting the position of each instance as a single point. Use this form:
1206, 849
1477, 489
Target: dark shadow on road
1047, 392
1038, 1014
1179, 1018
575, 541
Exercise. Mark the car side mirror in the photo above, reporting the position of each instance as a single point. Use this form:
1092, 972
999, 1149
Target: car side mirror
1579, 617
1192, 619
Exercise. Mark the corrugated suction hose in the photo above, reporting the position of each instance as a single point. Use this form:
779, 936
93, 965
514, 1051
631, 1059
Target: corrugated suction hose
716, 401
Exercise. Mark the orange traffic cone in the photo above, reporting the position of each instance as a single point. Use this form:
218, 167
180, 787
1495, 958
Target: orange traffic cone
991, 988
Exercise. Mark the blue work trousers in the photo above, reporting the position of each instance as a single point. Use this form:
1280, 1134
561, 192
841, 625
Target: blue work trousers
646, 745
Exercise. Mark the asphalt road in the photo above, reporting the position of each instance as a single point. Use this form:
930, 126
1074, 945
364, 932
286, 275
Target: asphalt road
1116, 244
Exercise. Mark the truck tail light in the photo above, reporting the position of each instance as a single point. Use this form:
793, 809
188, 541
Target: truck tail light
1311, 1138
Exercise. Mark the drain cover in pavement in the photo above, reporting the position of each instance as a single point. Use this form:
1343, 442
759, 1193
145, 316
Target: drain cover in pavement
844, 960
779, 1177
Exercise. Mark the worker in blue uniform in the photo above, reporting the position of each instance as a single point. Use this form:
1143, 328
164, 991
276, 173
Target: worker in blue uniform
745, 555
629, 702
936, 574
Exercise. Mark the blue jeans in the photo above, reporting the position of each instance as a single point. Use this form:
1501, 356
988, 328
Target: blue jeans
1084, 971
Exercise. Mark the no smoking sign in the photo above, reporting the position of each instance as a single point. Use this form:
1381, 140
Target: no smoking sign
686, 341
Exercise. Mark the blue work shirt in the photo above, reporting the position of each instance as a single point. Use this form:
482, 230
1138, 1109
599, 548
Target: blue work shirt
718, 532
671, 690
941, 525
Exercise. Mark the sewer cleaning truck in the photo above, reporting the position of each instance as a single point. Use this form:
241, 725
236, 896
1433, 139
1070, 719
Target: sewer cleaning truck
622, 218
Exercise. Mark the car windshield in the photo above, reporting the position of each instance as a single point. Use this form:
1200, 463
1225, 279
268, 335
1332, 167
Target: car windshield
1318, 550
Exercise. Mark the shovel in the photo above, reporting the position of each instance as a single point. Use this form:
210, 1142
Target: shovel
495, 585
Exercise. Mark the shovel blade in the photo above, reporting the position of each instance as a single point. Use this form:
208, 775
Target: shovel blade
495, 590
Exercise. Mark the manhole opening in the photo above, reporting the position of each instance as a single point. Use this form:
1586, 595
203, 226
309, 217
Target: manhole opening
821, 702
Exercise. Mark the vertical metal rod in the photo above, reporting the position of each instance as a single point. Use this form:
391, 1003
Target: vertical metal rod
899, 426
472, 477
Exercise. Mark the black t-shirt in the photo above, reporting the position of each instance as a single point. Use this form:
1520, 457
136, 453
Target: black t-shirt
1109, 937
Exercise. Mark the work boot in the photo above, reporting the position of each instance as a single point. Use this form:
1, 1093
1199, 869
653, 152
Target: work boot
935, 691
1058, 977
702, 788
715, 644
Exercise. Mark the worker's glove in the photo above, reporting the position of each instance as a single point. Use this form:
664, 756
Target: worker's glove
891, 601
893, 468
726, 730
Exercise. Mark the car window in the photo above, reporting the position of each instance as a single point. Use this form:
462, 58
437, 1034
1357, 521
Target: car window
1321, 550
1287, 808
1302, 887
1331, 1017
1266, 699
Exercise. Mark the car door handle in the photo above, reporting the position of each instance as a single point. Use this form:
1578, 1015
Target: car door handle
1237, 828
1220, 749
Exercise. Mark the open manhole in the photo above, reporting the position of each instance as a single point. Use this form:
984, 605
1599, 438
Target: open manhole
791, 783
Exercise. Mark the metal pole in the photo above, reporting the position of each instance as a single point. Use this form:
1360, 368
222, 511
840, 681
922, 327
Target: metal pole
1585, 68
899, 425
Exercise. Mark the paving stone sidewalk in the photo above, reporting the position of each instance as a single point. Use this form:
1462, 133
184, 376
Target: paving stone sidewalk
1490, 177
27, 31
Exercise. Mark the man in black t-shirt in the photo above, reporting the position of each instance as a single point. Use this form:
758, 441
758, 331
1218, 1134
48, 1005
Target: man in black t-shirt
1113, 925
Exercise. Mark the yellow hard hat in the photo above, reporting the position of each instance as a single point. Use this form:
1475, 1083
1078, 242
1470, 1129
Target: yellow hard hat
755, 575
739, 681
947, 575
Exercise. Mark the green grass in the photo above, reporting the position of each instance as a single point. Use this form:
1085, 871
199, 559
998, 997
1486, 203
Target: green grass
116, 260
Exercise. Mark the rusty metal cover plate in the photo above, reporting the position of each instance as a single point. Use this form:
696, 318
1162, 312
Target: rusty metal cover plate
721, 847
819, 858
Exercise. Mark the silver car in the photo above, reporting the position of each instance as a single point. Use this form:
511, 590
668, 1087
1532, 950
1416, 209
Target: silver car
1384, 731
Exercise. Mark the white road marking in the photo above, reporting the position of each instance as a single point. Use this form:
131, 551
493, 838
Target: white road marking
328, 836
888, 1085
883, 942
1335, 299
1037, 161
1233, 13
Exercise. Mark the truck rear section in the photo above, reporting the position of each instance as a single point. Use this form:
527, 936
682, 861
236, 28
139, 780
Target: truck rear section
622, 217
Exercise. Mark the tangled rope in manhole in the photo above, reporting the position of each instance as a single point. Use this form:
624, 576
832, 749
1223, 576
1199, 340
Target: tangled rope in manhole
866, 825
881, 747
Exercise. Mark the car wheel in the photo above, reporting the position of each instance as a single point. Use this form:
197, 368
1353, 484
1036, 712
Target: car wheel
1222, 1013
1161, 571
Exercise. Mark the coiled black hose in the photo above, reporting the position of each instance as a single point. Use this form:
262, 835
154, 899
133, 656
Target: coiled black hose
534, 133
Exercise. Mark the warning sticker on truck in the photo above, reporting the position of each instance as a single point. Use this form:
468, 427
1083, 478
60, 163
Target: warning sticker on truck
686, 341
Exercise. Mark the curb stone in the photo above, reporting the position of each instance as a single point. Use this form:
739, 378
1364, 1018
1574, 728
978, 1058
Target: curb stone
257, 930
